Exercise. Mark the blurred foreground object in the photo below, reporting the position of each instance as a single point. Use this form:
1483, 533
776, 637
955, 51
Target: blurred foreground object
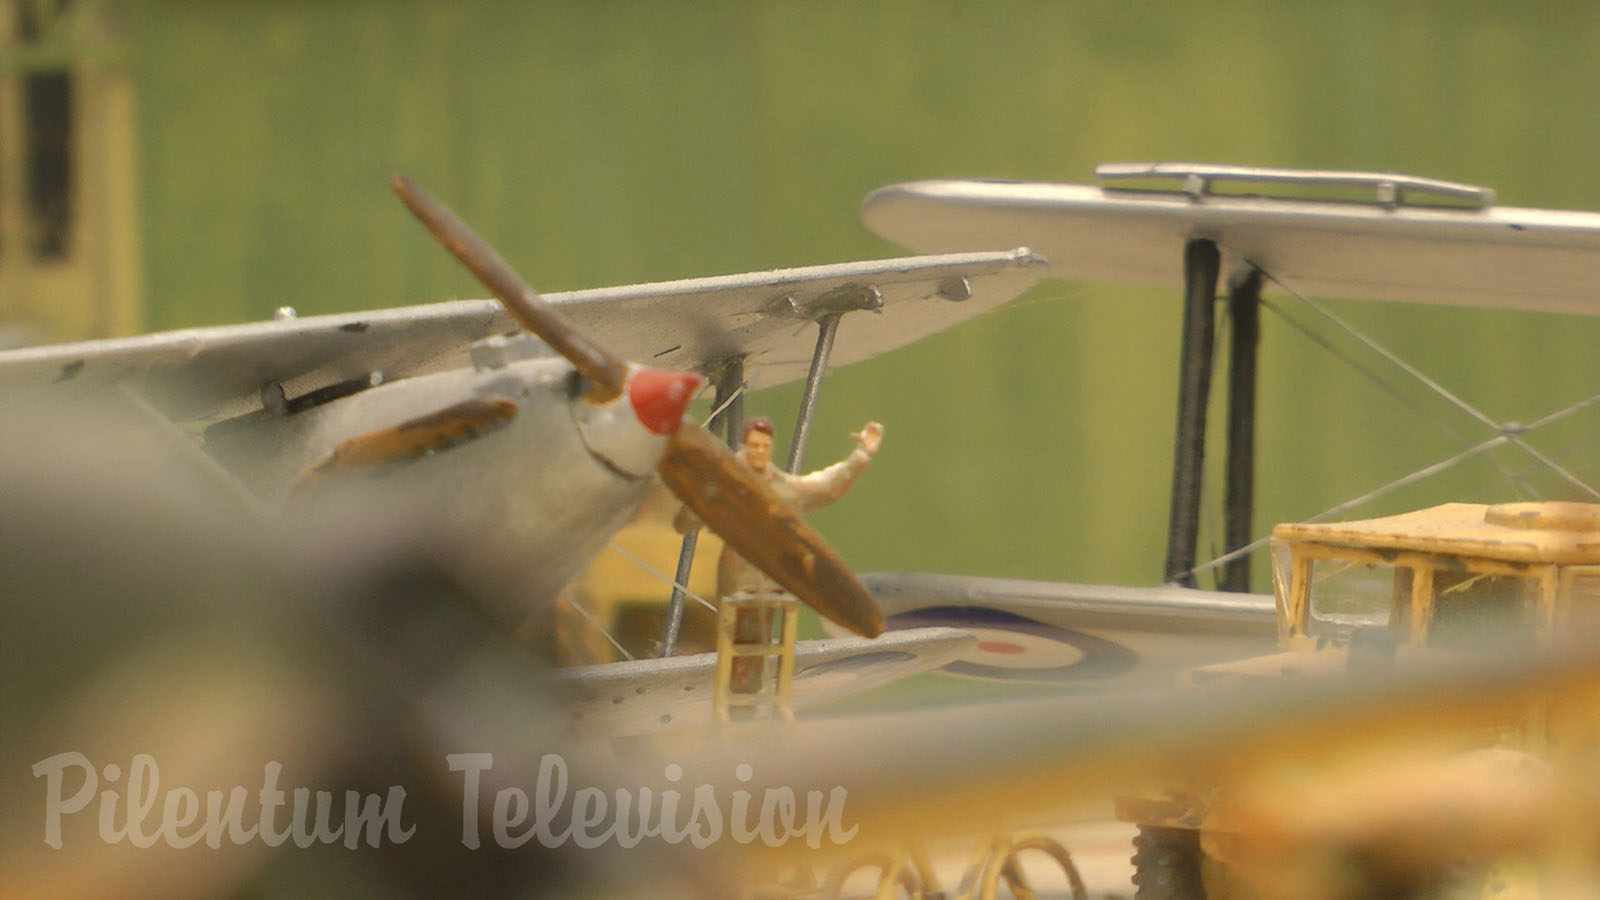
1366, 598
167, 644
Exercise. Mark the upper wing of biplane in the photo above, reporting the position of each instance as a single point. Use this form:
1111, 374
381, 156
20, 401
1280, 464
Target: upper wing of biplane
1414, 240
694, 324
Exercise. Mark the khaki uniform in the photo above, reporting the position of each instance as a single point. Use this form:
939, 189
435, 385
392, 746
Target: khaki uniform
801, 492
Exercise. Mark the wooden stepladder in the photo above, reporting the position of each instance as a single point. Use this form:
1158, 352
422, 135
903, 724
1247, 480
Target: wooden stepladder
755, 656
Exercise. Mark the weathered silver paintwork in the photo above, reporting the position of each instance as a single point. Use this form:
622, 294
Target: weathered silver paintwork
540, 499
649, 695
694, 324
538, 502
1499, 256
1080, 636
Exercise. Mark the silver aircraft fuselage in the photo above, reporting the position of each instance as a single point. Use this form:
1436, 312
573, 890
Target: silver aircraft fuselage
537, 502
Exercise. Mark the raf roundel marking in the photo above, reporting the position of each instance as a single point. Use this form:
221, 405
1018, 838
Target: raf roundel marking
1013, 647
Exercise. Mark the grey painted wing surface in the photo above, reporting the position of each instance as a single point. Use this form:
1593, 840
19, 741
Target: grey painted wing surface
646, 695
205, 372
689, 324
768, 316
1087, 637
1526, 259
1162, 607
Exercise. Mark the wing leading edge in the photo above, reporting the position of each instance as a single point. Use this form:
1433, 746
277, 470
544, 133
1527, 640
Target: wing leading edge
1498, 256
693, 324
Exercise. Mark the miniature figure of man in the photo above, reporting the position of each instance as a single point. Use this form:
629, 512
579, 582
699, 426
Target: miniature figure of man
802, 492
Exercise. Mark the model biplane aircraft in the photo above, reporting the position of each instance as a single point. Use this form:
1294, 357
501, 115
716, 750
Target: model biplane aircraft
280, 398
1380, 236
446, 412
361, 401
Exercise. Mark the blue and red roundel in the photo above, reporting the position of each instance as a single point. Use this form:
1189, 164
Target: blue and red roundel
1013, 647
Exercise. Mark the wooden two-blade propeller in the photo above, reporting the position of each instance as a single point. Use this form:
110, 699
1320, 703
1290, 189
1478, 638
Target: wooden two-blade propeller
721, 490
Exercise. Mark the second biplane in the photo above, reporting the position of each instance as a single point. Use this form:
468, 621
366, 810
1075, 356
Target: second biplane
1253, 232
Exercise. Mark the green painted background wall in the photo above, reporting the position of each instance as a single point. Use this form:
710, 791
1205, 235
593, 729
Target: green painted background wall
606, 143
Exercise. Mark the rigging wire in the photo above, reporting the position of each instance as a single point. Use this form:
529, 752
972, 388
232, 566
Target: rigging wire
663, 576
1418, 475
1386, 353
1403, 481
1363, 370
1383, 385
1512, 431
1560, 414
571, 601
725, 404
606, 633
1505, 433
667, 579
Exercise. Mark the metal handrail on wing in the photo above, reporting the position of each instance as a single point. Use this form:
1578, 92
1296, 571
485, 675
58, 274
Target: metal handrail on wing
1389, 188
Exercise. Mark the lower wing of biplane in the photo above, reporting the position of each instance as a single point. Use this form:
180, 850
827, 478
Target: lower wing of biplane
1078, 636
648, 695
